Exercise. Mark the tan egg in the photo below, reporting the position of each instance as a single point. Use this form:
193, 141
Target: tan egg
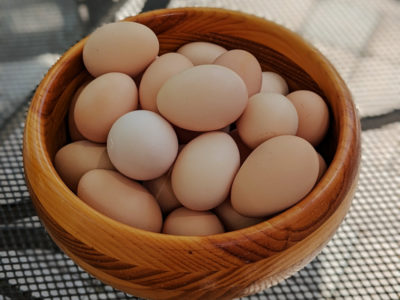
204, 170
138, 79
201, 53
274, 83
243, 149
313, 115
162, 191
75, 159
246, 65
121, 199
276, 175
231, 219
142, 145
267, 115
156, 74
125, 47
183, 221
74, 133
322, 166
102, 102
203, 98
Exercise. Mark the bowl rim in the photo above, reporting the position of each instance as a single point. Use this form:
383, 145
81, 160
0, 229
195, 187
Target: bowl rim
348, 141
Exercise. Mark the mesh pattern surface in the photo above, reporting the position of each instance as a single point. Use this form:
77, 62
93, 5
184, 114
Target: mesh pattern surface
362, 261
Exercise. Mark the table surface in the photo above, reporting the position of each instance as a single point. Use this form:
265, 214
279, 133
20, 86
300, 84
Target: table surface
360, 37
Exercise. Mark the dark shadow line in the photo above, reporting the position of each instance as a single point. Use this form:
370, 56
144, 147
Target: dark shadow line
376, 122
10, 213
20, 238
13, 292
154, 4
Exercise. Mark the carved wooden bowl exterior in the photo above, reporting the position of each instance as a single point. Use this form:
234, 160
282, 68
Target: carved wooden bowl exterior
228, 265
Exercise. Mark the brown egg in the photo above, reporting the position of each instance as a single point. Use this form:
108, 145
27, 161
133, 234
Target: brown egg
313, 115
322, 166
267, 115
201, 53
102, 102
243, 149
162, 191
125, 47
274, 83
204, 170
246, 65
231, 219
75, 159
156, 74
74, 133
121, 199
276, 175
203, 98
183, 221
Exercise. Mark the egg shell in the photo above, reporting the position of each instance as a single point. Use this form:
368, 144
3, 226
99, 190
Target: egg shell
183, 221
274, 83
125, 47
201, 53
243, 149
276, 175
203, 98
231, 219
267, 115
204, 170
245, 65
75, 159
313, 115
322, 166
102, 102
156, 74
142, 145
74, 133
162, 191
121, 199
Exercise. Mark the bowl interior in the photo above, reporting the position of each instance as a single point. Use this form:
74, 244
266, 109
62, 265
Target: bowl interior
170, 40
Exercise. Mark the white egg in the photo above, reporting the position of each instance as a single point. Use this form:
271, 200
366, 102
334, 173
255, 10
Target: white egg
142, 145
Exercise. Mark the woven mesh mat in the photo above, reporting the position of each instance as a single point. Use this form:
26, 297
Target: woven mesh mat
362, 38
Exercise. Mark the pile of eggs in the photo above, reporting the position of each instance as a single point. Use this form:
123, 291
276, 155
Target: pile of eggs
195, 142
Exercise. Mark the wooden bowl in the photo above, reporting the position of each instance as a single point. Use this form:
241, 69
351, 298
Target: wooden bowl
232, 264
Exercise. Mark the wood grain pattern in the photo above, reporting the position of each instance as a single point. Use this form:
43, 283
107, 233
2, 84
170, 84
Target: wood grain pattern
222, 266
